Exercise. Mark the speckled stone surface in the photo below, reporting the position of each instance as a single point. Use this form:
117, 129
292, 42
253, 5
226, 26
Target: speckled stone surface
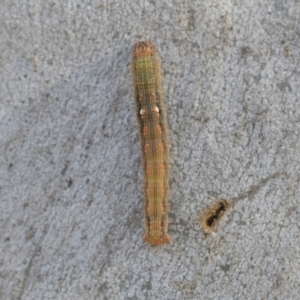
70, 169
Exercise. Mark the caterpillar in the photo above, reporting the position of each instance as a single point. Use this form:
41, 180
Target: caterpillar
153, 133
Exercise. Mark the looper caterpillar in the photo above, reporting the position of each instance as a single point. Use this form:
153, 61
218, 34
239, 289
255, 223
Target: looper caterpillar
151, 117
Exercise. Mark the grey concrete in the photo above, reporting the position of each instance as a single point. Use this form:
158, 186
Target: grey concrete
70, 171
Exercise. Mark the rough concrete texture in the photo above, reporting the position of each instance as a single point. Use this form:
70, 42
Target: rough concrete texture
70, 169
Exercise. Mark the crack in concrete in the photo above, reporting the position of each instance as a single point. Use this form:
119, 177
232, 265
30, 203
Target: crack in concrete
255, 188
25, 277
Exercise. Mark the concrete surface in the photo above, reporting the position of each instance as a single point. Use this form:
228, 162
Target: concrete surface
70, 172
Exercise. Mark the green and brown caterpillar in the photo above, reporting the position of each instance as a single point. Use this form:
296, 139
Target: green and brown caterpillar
153, 134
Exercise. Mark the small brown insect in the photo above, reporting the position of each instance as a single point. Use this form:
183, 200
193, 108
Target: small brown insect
151, 117
210, 217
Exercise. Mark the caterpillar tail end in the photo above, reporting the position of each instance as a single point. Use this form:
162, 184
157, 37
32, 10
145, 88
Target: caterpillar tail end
157, 240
